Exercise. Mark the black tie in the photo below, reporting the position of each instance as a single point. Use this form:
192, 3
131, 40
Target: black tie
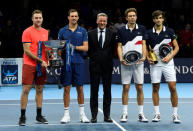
101, 39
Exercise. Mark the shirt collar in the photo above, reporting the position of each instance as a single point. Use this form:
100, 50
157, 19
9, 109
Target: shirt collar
136, 26
164, 29
67, 27
98, 30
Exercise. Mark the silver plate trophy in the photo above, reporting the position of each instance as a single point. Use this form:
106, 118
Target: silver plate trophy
164, 50
132, 57
57, 61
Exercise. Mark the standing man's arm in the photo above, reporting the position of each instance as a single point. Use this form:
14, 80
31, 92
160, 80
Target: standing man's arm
176, 48
119, 51
173, 53
83, 47
26, 47
120, 54
144, 50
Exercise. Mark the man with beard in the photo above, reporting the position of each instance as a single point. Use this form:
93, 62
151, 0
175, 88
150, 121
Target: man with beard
73, 70
34, 65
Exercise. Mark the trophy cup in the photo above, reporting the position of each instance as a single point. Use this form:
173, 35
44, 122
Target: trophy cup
152, 55
57, 61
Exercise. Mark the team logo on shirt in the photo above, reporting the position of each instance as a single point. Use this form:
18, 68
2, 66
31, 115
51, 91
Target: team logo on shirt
79, 32
139, 33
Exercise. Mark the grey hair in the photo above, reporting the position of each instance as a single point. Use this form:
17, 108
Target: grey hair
102, 14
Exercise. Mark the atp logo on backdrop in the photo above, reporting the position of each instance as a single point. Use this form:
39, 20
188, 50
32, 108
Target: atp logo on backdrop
9, 74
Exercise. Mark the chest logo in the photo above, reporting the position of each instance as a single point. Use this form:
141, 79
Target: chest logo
79, 32
138, 33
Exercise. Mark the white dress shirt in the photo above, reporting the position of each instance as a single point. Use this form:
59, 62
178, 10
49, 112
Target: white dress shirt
103, 35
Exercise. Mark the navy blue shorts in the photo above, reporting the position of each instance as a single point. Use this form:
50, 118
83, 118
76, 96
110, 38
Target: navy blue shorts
74, 77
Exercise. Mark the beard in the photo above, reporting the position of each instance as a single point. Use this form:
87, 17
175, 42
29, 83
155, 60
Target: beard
74, 22
38, 24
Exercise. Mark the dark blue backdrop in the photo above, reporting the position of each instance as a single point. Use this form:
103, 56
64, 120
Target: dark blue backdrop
184, 70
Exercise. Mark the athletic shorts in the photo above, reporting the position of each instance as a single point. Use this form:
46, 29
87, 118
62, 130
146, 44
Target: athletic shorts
75, 76
135, 70
29, 75
157, 71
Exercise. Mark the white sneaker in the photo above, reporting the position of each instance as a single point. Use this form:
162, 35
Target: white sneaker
156, 118
142, 118
65, 119
83, 118
176, 119
124, 118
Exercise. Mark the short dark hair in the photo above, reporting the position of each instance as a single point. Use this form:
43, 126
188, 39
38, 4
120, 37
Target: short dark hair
72, 10
130, 10
36, 12
156, 13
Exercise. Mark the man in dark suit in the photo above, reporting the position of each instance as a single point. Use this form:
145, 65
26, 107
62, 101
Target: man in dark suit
101, 43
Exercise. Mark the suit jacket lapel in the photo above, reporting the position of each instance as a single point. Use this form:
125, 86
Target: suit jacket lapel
95, 34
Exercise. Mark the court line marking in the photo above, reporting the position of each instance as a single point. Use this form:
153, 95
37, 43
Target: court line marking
89, 102
117, 124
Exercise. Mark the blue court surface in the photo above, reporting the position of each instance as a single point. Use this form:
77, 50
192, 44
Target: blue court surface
53, 109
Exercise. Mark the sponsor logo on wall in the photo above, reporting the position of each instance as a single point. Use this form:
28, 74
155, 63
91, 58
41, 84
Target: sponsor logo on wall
9, 74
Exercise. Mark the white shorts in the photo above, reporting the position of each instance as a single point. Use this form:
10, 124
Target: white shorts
168, 72
136, 70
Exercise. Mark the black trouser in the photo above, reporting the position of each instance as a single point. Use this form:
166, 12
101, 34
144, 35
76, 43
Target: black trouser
96, 72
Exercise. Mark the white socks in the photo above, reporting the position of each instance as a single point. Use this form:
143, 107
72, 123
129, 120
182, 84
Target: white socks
140, 109
175, 110
125, 109
66, 110
156, 109
81, 109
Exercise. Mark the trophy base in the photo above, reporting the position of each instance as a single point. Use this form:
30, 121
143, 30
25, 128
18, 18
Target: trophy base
153, 56
56, 63
155, 62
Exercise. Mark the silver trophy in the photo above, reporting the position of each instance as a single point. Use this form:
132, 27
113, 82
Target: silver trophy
55, 45
56, 61
132, 57
164, 50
